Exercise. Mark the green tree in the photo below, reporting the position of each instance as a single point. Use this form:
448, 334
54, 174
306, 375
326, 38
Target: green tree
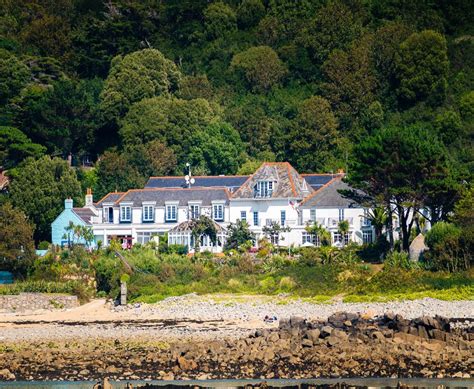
261, 67
39, 189
217, 149
378, 217
115, 173
250, 12
14, 75
313, 136
174, 122
64, 117
17, 250
219, 19
403, 168
351, 81
16, 146
133, 77
238, 235
335, 26
151, 159
449, 126
343, 228
422, 67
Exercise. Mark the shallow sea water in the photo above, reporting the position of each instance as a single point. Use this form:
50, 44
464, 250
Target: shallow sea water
340, 383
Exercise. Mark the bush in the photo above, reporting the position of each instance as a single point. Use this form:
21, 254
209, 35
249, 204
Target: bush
399, 260
445, 249
43, 245
287, 284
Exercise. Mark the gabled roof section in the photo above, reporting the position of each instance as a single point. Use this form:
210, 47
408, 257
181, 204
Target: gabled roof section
289, 183
111, 197
230, 182
180, 195
85, 214
328, 196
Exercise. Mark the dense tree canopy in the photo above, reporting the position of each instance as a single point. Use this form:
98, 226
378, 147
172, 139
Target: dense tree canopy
39, 190
149, 85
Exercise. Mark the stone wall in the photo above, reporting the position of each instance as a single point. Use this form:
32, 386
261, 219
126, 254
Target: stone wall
34, 301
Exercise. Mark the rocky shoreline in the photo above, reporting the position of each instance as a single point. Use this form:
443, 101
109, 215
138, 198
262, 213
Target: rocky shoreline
344, 345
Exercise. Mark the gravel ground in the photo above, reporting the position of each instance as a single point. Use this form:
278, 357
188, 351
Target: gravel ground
197, 317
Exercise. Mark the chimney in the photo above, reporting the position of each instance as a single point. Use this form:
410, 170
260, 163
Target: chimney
89, 198
68, 204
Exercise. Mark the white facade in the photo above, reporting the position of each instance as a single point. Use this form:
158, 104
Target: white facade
275, 194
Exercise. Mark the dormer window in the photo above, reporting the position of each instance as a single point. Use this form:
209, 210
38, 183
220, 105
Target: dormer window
148, 213
264, 188
194, 211
125, 213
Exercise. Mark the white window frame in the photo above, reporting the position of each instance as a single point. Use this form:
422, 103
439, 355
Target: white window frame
312, 215
125, 213
255, 218
282, 218
264, 188
341, 214
192, 213
367, 237
171, 209
218, 212
148, 213
243, 216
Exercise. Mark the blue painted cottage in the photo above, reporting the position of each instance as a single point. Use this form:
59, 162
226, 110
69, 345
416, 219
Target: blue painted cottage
79, 216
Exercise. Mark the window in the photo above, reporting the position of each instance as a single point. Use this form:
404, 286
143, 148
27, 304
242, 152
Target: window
367, 237
218, 212
347, 238
365, 219
337, 237
263, 189
148, 214
310, 238
170, 215
194, 211
255, 219
312, 215
282, 218
341, 214
125, 213
143, 237
243, 216
108, 215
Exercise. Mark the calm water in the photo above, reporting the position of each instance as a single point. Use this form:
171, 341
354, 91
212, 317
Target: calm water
238, 384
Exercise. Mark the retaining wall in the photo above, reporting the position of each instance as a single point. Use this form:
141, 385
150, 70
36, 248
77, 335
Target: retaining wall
34, 301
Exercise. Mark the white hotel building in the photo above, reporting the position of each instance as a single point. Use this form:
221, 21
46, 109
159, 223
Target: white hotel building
276, 192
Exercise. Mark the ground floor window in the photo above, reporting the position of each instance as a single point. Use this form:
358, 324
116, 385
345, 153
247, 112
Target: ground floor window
144, 237
310, 238
367, 237
337, 238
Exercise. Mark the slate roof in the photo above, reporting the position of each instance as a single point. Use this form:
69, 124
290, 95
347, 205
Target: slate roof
328, 196
110, 198
230, 182
85, 214
317, 180
183, 196
289, 183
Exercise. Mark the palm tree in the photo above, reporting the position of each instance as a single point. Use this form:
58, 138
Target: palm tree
320, 231
343, 229
378, 218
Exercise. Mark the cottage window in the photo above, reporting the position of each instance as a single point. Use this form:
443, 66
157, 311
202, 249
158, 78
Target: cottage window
243, 216
125, 213
148, 213
194, 211
218, 212
282, 218
170, 214
312, 215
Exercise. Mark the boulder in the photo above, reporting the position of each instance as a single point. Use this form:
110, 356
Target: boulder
326, 331
186, 364
297, 321
313, 334
6, 374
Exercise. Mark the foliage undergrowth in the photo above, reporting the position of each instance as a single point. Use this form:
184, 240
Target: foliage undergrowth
157, 276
